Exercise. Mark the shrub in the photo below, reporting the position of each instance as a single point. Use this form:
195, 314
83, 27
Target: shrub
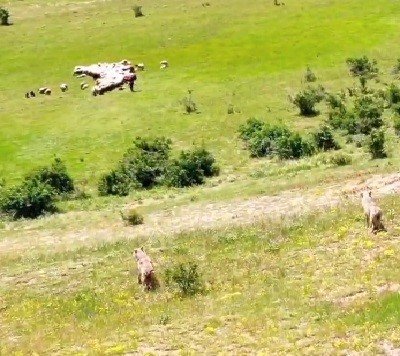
396, 125
145, 163
309, 76
293, 147
307, 99
30, 199
393, 95
138, 11
396, 68
376, 144
56, 176
345, 120
335, 102
4, 17
369, 112
142, 166
324, 139
340, 159
132, 217
117, 182
263, 142
206, 161
362, 66
191, 168
186, 277
188, 104
359, 140
248, 130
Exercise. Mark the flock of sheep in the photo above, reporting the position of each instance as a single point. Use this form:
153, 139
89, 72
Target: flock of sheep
107, 77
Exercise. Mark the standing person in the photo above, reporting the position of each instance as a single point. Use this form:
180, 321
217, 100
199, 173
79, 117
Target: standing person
130, 79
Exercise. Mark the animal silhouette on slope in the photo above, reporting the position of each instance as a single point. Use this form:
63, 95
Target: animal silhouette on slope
146, 275
372, 211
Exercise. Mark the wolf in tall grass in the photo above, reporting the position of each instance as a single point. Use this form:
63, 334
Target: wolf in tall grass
372, 211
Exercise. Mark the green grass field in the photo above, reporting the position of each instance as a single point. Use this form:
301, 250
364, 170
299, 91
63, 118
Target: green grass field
250, 55
319, 284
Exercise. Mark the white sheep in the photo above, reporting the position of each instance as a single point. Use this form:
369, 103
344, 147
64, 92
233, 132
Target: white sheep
64, 87
164, 64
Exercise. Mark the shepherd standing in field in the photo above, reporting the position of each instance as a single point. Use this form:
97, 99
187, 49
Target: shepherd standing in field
130, 79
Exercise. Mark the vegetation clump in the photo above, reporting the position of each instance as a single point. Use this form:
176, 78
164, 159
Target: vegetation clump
264, 140
396, 125
362, 67
37, 193
368, 111
307, 99
30, 199
191, 168
137, 9
324, 139
132, 217
309, 76
376, 144
4, 16
186, 277
148, 164
116, 182
55, 176
188, 103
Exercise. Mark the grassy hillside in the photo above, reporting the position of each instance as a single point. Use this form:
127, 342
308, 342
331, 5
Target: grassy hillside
319, 284
251, 55
275, 283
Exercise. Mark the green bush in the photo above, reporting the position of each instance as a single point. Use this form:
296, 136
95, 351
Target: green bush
186, 277
4, 16
309, 76
393, 95
191, 168
132, 217
362, 66
143, 166
266, 140
56, 176
324, 139
396, 125
146, 162
263, 142
376, 144
30, 199
340, 159
368, 111
188, 103
359, 140
138, 11
307, 99
293, 147
336, 102
117, 182
248, 130
396, 68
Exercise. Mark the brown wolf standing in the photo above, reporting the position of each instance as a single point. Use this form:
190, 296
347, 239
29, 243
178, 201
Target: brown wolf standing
372, 212
146, 275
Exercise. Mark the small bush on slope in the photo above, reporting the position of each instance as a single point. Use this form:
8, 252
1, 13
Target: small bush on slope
30, 199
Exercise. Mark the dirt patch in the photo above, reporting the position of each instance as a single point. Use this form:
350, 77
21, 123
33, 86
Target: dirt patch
203, 216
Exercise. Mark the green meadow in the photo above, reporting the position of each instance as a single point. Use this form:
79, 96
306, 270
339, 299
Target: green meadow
249, 55
313, 283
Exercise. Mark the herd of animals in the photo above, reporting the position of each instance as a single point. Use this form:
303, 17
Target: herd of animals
107, 77
145, 269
